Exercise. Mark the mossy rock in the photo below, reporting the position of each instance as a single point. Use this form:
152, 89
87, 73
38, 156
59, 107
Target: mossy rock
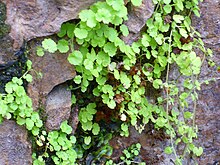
4, 29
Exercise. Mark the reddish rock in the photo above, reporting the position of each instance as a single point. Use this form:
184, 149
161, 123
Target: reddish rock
36, 18
55, 69
14, 145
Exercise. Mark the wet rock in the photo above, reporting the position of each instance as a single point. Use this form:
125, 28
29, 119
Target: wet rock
137, 17
58, 107
152, 144
14, 147
37, 18
54, 68
12, 64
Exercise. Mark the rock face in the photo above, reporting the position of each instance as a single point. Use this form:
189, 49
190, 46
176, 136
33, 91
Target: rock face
58, 107
208, 109
14, 147
37, 18
55, 70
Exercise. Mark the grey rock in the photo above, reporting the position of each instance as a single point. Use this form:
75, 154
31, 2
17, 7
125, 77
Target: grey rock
58, 107
55, 70
14, 145
137, 17
37, 18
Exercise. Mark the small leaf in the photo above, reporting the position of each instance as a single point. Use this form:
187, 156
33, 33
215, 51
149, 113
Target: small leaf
95, 129
198, 151
183, 32
28, 77
80, 33
87, 140
187, 115
136, 2
75, 58
110, 49
40, 51
178, 18
77, 79
63, 46
167, 1
157, 83
168, 150
124, 30
49, 45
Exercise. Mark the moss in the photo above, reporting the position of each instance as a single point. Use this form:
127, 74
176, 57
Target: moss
4, 29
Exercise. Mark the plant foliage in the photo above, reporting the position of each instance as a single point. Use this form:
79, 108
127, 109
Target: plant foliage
120, 74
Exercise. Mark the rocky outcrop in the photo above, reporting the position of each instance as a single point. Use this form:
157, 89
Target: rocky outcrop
14, 145
37, 18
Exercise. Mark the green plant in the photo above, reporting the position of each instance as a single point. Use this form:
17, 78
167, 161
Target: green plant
129, 156
17, 105
121, 72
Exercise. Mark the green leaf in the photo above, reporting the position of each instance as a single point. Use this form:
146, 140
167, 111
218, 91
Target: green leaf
65, 127
103, 15
77, 79
29, 124
179, 4
167, 9
137, 79
49, 45
124, 30
40, 51
80, 33
73, 99
87, 140
63, 46
111, 104
167, 1
183, 32
110, 49
157, 83
95, 129
29, 64
88, 16
116, 74
168, 150
75, 58
136, 2
187, 115
28, 77
88, 64
178, 18
198, 151
103, 59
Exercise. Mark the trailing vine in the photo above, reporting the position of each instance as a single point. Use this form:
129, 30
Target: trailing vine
118, 75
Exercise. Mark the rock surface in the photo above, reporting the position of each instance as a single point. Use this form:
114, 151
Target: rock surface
55, 70
208, 109
37, 18
137, 17
14, 147
58, 107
